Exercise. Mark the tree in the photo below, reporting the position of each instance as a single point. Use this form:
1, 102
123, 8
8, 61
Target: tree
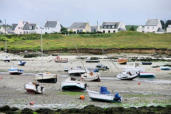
64, 30
132, 28
163, 24
168, 22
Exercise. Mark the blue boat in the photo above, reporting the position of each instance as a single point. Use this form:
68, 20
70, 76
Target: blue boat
146, 63
15, 71
21, 63
146, 75
165, 68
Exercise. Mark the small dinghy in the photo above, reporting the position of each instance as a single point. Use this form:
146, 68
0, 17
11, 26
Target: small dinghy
92, 60
46, 77
34, 88
122, 61
15, 71
104, 95
21, 63
92, 76
146, 75
165, 68
6, 59
127, 75
146, 63
58, 59
76, 71
71, 84
102, 67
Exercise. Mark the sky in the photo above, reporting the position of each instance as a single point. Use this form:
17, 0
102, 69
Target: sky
130, 12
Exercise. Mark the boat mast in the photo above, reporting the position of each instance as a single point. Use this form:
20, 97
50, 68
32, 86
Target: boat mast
5, 38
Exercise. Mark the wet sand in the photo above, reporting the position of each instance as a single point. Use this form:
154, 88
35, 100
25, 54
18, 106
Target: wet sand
155, 91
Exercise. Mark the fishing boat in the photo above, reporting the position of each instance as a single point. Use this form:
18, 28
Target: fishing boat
127, 75
21, 63
92, 76
102, 67
104, 95
15, 71
92, 60
46, 77
122, 61
71, 84
146, 75
146, 63
165, 68
58, 59
34, 88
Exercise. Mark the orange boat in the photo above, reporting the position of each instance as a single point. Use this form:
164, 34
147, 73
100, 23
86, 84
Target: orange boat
122, 61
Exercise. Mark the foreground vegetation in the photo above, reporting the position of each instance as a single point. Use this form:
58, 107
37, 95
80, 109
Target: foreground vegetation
101, 41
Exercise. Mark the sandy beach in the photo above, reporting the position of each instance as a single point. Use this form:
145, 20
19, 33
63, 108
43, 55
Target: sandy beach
139, 92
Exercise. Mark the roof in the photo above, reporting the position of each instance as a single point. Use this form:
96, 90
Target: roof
51, 24
116, 24
152, 22
28, 26
78, 25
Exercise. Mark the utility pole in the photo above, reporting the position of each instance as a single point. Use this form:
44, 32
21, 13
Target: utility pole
41, 43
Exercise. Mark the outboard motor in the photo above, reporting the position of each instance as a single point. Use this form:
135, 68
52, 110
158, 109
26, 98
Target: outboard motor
117, 97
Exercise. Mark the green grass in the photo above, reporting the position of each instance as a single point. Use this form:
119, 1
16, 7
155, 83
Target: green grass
102, 41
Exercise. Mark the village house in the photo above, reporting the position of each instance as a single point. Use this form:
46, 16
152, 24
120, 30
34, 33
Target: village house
80, 27
52, 27
152, 25
112, 27
168, 30
24, 27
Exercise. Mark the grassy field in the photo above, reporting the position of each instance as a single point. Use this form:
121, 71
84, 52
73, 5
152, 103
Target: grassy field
59, 41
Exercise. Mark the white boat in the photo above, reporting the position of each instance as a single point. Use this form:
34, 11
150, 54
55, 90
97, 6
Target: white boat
35, 88
104, 96
102, 67
72, 84
92, 60
76, 71
58, 59
46, 77
92, 76
146, 75
15, 71
165, 68
6, 59
127, 75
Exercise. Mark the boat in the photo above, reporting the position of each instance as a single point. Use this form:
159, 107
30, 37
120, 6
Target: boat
58, 59
165, 68
104, 95
46, 77
127, 75
21, 63
146, 63
146, 75
92, 76
35, 88
71, 84
102, 67
122, 61
6, 59
76, 71
92, 60
15, 71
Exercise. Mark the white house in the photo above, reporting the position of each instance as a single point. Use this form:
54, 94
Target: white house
80, 27
168, 30
24, 27
6, 29
52, 27
112, 27
152, 25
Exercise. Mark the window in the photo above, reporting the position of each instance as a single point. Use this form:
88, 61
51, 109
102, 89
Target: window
109, 31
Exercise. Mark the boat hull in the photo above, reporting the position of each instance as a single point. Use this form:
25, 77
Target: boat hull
146, 75
50, 80
72, 88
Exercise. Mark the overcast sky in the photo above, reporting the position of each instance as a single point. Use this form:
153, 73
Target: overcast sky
69, 11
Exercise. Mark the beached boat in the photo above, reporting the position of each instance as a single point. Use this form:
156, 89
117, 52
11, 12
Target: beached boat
21, 63
146, 75
146, 63
127, 75
122, 61
165, 68
35, 88
58, 59
46, 77
104, 95
71, 84
102, 67
6, 59
92, 76
92, 60
76, 71
15, 71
